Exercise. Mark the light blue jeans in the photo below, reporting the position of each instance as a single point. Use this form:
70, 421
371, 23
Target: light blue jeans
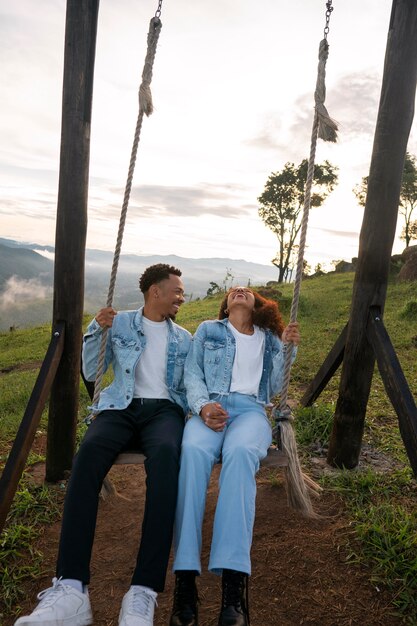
241, 446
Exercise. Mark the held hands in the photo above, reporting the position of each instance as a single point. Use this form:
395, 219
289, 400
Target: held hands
291, 334
214, 416
105, 317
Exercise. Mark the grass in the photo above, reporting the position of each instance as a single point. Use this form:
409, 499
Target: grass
383, 520
384, 525
32, 508
380, 505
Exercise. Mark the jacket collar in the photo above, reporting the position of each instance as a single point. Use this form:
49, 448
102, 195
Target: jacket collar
138, 325
223, 321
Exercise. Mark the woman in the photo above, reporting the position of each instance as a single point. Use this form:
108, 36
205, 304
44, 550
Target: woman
234, 368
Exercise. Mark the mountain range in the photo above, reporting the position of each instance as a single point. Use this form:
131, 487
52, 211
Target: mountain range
26, 279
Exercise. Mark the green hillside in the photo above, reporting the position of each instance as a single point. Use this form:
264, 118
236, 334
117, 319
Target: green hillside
380, 497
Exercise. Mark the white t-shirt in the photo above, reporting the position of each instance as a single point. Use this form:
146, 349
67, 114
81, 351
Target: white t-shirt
150, 373
248, 363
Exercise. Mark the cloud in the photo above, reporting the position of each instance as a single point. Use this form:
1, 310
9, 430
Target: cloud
346, 234
272, 128
226, 200
18, 291
352, 101
46, 253
31, 208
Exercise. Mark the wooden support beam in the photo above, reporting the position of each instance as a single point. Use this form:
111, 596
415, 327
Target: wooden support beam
22, 444
71, 229
326, 371
395, 116
395, 384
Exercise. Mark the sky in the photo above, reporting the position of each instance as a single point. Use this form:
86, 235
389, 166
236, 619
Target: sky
233, 87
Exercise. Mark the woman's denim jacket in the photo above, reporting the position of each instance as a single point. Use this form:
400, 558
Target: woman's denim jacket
125, 344
208, 368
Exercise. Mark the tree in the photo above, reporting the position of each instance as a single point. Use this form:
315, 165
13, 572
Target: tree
412, 232
228, 278
408, 197
213, 289
282, 201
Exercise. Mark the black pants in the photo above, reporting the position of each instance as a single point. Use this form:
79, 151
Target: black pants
157, 429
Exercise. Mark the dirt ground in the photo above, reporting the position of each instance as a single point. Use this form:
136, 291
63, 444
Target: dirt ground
299, 576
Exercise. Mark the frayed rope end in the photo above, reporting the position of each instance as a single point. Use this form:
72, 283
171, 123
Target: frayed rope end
328, 127
299, 486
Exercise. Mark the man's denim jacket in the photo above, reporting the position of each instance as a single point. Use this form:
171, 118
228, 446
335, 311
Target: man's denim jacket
125, 344
208, 368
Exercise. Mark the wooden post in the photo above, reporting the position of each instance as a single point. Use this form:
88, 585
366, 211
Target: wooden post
71, 228
395, 115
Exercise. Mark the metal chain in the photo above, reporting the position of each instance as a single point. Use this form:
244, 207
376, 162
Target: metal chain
159, 9
329, 10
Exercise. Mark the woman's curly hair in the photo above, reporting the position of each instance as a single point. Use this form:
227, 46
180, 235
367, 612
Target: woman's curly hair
266, 313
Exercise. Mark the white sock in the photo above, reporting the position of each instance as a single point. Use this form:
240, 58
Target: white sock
75, 584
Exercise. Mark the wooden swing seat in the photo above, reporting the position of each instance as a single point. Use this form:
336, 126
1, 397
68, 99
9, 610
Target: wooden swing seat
275, 458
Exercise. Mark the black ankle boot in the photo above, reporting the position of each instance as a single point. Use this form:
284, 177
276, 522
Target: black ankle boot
235, 609
184, 610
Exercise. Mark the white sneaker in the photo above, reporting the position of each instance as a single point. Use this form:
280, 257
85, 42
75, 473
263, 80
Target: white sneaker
60, 605
138, 607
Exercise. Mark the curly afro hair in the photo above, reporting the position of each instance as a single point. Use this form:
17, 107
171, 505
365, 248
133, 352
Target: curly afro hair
155, 273
266, 313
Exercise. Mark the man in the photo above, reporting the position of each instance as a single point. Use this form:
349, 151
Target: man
145, 403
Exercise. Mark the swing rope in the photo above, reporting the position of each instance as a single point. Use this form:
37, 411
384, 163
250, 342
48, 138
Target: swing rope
145, 108
299, 485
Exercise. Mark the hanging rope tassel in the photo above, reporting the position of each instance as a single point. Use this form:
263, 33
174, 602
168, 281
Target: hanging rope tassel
145, 95
327, 126
300, 486
145, 108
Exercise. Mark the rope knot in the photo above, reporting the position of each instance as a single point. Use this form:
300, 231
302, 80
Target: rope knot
282, 414
145, 98
145, 95
89, 419
327, 127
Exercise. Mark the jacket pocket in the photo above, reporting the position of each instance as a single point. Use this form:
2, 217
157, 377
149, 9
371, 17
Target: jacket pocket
123, 342
180, 359
214, 352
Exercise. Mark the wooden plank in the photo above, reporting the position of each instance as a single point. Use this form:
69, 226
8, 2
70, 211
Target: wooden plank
17, 458
395, 384
130, 457
71, 228
326, 371
394, 120
275, 458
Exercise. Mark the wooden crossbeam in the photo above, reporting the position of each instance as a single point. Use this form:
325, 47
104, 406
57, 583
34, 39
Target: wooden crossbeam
326, 371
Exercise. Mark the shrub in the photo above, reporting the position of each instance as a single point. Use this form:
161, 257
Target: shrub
409, 310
